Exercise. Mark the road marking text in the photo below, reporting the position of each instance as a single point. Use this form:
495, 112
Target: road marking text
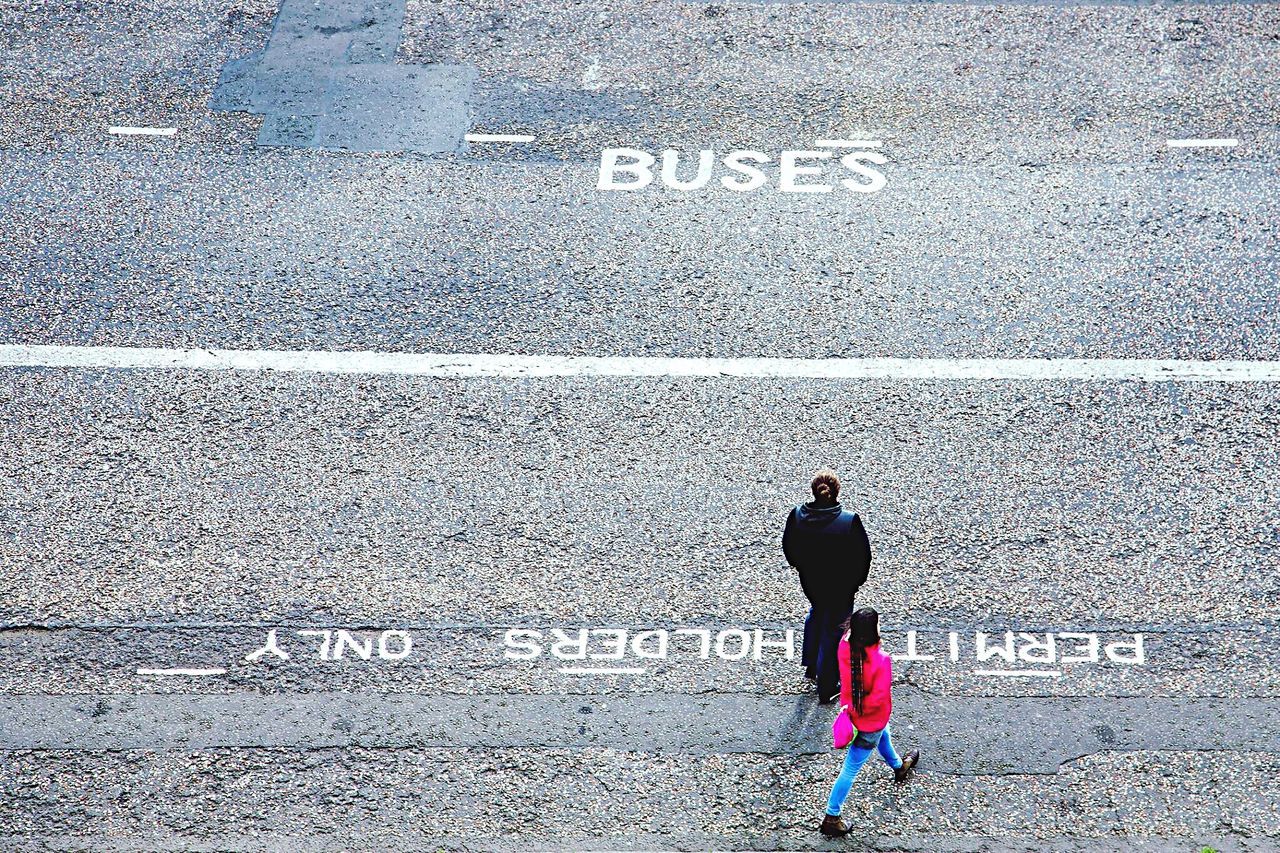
798, 171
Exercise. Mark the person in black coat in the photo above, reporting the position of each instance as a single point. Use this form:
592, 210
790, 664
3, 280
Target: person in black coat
828, 546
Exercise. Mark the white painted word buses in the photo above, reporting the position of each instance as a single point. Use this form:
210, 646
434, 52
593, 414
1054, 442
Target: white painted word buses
742, 170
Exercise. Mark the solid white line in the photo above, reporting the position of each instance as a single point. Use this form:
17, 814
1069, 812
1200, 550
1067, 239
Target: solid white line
142, 131
497, 137
848, 143
180, 671
1021, 673
465, 366
579, 670
1202, 143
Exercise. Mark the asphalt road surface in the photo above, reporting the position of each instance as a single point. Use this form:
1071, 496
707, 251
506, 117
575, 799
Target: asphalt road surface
373, 603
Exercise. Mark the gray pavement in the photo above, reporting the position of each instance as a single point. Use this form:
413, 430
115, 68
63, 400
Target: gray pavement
980, 261
551, 614
425, 799
247, 495
956, 732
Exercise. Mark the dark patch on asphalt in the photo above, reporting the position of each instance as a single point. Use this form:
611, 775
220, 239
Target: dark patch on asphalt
327, 79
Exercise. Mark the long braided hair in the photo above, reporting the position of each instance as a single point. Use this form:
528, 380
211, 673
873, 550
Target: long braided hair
863, 627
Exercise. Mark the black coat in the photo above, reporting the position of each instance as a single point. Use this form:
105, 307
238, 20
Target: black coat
829, 547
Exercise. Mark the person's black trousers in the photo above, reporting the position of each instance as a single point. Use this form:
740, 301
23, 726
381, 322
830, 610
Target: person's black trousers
821, 642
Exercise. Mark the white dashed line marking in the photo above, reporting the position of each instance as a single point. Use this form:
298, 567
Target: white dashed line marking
489, 365
1202, 143
1021, 673
142, 131
180, 671
497, 137
848, 143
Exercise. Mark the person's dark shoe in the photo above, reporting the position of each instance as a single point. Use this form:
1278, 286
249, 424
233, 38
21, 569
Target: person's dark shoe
833, 827
811, 673
909, 762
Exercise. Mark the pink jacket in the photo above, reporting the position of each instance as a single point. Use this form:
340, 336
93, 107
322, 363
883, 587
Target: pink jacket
877, 675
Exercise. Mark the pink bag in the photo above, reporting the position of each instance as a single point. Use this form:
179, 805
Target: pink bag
842, 729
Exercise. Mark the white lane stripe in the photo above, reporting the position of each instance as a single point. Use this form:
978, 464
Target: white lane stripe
497, 137
180, 671
581, 670
142, 131
1202, 143
848, 143
465, 365
1021, 673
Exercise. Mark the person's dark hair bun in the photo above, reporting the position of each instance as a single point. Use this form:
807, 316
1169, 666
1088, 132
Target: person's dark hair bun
825, 486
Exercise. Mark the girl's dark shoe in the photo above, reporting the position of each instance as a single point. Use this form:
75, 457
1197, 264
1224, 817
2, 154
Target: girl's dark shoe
833, 827
903, 773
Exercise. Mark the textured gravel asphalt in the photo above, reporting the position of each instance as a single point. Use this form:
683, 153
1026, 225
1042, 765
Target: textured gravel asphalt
424, 534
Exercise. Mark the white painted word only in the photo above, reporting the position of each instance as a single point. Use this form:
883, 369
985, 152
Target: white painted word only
744, 170
338, 644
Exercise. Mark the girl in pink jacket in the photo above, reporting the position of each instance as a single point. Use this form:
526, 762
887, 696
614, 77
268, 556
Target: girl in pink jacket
866, 674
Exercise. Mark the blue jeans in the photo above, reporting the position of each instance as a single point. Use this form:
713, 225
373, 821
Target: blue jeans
859, 752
